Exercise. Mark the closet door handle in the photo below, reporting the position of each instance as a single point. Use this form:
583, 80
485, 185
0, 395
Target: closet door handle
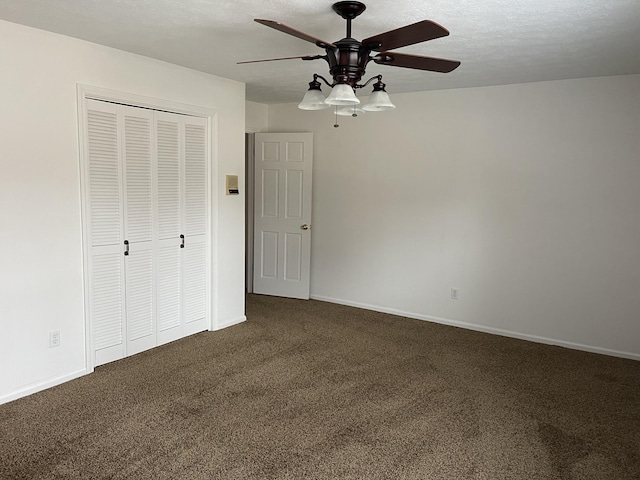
126, 247
182, 241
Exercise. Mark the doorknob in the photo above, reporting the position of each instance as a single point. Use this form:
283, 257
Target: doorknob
305, 227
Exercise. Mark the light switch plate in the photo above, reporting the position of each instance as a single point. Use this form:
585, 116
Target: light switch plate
232, 185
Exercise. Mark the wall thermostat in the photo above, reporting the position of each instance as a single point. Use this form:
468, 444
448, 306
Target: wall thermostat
232, 185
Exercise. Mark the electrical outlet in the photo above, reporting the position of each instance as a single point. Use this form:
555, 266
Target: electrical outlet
454, 293
54, 339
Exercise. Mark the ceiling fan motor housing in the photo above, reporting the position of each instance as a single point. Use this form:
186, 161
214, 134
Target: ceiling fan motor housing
348, 62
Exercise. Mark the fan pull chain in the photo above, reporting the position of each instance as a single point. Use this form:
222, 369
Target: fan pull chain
336, 124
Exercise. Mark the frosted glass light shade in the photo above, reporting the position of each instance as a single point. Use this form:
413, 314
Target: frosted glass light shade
349, 110
342, 94
378, 101
313, 100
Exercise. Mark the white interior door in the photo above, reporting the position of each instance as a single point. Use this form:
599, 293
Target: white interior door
137, 146
169, 185
194, 224
182, 225
282, 214
105, 232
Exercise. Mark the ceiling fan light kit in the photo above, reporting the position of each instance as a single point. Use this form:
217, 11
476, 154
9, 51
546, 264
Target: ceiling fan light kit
350, 111
348, 58
342, 94
379, 99
314, 98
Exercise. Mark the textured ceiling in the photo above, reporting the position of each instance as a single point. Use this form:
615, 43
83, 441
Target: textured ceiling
497, 41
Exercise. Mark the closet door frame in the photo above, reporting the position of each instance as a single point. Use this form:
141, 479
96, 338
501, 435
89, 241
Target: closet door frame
89, 92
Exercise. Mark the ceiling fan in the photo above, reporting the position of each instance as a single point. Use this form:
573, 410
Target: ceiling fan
348, 58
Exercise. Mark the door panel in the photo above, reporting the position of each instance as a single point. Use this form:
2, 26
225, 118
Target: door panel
270, 189
168, 177
292, 256
295, 151
106, 303
169, 218
141, 333
195, 177
137, 158
104, 195
138, 175
294, 194
106, 282
195, 283
269, 256
195, 260
169, 289
282, 238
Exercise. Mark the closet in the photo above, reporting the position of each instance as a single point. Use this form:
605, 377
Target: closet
146, 208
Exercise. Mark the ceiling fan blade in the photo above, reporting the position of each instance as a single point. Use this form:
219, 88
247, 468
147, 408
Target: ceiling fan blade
296, 33
303, 57
401, 37
416, 61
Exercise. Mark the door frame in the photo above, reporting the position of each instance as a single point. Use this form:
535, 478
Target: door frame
250, 173
89, 92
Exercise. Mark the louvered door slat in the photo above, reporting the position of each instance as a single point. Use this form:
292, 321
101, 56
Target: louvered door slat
104, 178
139, 271
195, 281
106, 300
168, 153
169, 287
195, 179
138, 178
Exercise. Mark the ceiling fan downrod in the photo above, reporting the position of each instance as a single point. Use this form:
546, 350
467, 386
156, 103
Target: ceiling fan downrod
349, 10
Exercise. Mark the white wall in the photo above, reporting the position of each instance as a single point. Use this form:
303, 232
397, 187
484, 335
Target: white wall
41, 286
524, 197
256, 117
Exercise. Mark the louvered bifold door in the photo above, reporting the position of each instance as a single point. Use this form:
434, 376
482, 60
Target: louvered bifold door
195, 225
105, 230
147, 208
169, 153
136, 125
182, 185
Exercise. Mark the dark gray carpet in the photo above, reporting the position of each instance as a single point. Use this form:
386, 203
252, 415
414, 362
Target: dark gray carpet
306, 389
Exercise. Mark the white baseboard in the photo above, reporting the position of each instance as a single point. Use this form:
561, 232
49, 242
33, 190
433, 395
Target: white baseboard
23, 392
481, 328
38, 387
231, 323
